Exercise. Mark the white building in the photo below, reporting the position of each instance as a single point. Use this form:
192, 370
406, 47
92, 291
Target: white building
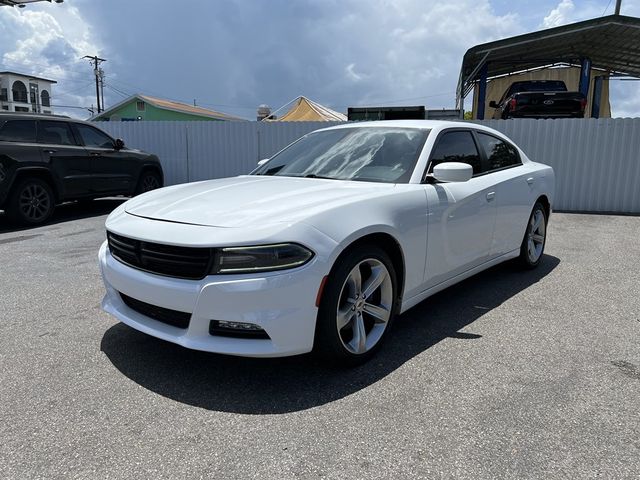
25, 93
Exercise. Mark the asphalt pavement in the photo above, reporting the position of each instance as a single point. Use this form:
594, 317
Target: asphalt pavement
511, 374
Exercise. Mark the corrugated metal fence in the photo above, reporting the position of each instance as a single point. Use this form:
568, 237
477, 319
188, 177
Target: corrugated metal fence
597, 161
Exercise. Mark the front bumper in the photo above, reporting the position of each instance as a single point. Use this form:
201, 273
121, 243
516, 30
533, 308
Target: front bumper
281, 303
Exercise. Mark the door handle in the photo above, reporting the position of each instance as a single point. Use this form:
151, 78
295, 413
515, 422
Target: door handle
491, 196
49, 150
530, 180
95, 154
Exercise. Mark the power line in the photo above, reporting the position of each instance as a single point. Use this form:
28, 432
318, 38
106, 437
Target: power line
606, 8
119, 92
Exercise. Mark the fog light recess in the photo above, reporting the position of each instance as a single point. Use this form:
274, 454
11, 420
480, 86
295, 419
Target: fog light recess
224, 328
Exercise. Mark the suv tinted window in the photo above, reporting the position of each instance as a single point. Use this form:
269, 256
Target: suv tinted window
456, 147
18, 131
57, 133
499, 154
93, 137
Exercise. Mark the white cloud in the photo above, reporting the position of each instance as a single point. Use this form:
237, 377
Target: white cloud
560, 15
50, 41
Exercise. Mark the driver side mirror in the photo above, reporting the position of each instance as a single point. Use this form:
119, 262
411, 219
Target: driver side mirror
493, 104
263, 161
453, 172
119, 145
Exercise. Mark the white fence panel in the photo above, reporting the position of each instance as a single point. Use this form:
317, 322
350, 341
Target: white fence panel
597, 161
168, 140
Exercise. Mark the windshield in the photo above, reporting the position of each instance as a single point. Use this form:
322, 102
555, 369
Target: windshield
368, 154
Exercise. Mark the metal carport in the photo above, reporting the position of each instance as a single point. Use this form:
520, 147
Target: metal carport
610, 43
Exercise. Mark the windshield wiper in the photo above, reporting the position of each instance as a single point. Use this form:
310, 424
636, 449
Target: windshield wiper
313, 175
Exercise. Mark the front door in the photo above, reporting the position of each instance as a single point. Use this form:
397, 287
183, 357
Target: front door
462, 215
113, 170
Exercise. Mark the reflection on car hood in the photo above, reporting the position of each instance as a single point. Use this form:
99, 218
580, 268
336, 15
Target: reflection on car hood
249, 200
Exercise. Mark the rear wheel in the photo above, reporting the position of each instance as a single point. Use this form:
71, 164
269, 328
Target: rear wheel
32, 202
357, 307
149, 180
535, 238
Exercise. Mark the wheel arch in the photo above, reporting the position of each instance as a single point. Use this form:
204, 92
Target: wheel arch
390, 245
152, 167
40, 173
544, 200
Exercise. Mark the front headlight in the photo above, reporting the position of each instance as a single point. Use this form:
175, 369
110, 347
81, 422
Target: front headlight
262, 258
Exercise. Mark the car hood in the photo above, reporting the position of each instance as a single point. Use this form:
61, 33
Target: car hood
250, 200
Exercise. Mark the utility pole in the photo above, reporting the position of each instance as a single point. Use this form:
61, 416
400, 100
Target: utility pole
95, 61
101, 75
618, 5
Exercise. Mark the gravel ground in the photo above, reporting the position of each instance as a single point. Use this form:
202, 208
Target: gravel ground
510, 374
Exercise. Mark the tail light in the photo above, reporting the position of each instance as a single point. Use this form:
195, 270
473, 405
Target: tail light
513, 103
583, 103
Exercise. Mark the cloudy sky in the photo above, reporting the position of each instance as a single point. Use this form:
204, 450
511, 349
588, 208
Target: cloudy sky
231, 55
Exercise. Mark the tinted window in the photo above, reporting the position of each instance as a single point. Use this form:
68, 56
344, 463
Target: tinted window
93, 137
374, 154
456, 147
499, 153
57, 133
18, 131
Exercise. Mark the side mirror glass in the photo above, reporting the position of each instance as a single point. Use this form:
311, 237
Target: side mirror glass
119, 144
453, 172
493, 104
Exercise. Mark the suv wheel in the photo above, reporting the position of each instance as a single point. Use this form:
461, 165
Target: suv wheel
148, 181
31, 202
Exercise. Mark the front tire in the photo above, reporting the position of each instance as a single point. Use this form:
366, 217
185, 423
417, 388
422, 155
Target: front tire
357, 308
149, 180
535, 238
32, 202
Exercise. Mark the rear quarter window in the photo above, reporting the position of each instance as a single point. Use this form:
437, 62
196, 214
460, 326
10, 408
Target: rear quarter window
23, 131
499, 153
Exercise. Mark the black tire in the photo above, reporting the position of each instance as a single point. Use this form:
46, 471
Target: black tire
149, 180
332, 343
526, 259
31, 202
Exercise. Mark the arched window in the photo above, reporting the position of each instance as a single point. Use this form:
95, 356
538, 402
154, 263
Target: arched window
19, 92
46, 101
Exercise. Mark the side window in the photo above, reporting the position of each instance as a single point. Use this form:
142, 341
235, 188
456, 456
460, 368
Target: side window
57, 133
93, 137
499, 154
18, 131
456, 147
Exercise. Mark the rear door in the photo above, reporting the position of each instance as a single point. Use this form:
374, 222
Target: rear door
67, 159
114, 172
514, 187
461, 215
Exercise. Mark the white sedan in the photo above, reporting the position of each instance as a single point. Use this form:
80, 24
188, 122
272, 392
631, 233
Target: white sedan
327, 241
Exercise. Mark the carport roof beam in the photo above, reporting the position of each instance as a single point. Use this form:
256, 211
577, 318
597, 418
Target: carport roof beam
607, 41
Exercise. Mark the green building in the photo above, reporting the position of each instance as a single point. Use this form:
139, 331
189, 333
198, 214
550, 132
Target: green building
143, 107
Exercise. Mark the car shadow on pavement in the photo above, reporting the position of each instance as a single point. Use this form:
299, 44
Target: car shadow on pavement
275, 386
67, 212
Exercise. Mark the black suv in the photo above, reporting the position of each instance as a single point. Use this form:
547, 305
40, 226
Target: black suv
45, 160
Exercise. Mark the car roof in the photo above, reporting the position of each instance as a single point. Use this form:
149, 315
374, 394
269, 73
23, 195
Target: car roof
421, 124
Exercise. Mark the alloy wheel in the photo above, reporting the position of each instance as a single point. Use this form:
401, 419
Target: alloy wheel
364, 306
34, 202
150, 182
536, 233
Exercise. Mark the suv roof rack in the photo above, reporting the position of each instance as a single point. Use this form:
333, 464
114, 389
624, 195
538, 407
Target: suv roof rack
31, 114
